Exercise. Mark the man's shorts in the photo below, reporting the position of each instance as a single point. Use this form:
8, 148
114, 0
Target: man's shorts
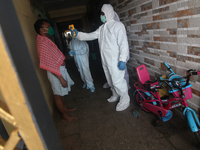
57, 86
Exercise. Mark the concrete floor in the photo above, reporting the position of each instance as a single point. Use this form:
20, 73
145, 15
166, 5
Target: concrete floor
100, 127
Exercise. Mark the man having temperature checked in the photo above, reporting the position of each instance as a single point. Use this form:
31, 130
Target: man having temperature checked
52, 60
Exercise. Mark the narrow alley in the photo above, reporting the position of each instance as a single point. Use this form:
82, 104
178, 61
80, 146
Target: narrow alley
150, 33
100, 127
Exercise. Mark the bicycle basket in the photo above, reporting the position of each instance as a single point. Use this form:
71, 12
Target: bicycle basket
177, 82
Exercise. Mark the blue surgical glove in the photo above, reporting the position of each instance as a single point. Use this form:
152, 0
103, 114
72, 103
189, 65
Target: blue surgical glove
121, 65
72, 53
72, 32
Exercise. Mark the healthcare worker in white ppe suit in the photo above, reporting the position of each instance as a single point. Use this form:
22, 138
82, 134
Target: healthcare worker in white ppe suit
80, 51
126, 76
114, 51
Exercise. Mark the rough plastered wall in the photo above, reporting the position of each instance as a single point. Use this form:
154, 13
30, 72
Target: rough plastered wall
27, 18
163, 31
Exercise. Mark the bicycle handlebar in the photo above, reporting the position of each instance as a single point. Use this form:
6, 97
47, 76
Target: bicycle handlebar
166, 65
193, 72
169, 68
190, 73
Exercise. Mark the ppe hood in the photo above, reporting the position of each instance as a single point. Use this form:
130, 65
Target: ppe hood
108, 11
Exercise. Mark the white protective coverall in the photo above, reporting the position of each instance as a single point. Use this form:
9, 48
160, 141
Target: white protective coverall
114, 47
81, 59
126, 76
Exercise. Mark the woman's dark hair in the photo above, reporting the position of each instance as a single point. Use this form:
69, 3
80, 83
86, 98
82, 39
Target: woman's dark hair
38, 25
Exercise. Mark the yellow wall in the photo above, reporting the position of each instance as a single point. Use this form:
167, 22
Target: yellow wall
1, 96
9, 128
27, 18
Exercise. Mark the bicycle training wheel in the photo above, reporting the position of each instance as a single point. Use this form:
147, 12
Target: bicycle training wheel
136, 113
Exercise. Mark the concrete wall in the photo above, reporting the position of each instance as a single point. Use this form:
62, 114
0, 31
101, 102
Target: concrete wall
27, 18
163, 31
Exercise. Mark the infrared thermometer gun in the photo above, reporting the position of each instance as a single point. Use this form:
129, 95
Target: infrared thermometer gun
72, 27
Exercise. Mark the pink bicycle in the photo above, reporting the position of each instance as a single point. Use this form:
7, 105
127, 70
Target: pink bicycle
179, 90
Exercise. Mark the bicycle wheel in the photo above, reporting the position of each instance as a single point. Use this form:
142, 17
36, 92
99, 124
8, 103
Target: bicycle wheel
140, 99
136, 113
168, 116
197, 135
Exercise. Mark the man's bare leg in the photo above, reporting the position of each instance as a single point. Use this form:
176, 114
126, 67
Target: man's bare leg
65, 108
61, 108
